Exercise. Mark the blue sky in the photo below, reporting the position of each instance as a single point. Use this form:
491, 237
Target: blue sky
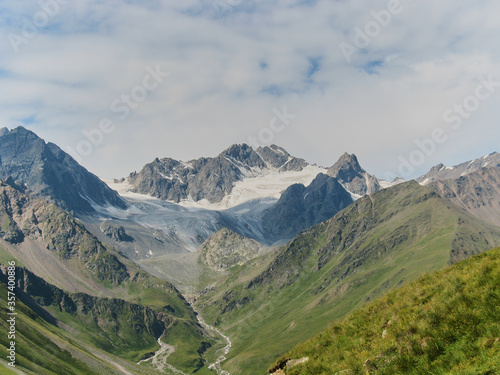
232, 62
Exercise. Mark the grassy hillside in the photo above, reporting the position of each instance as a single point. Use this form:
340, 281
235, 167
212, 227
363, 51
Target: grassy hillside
380, 242
446, 322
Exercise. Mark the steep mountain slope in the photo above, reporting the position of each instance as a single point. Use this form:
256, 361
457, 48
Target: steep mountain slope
44, 346
377, 243
446, 322
441, 172
477, 192
354, 178
54, 246
49, 232
49, 172
116, 326
210, 178
301, 207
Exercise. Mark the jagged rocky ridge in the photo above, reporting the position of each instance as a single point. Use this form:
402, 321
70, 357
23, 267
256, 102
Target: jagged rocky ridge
22, 216
107, 319
442, 172
210, 178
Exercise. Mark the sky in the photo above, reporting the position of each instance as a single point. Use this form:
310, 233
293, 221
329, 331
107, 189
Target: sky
404, 84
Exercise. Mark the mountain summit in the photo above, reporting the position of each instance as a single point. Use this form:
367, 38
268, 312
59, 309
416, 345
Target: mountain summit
355, 179
49, 172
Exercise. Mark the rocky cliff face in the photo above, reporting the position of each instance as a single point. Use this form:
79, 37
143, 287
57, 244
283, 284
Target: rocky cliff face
113, 325
354, 178
49, 172
277, 157
210, 178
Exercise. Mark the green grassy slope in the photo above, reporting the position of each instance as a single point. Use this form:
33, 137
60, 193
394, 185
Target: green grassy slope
444, 323
378, 243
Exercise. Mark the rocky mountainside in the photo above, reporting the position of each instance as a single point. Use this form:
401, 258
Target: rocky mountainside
210, 178
477, 192
354, 178
301, 207
374, 245
442, 172
444, 323
226, 249
25, 219
49, 172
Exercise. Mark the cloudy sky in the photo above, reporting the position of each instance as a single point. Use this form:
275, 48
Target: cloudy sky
188, 78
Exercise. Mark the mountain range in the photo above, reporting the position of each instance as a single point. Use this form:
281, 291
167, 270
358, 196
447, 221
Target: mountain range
222, 263
211, 179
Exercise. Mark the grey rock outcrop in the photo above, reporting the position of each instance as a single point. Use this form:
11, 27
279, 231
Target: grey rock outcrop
115, 232
277, 157
227, 248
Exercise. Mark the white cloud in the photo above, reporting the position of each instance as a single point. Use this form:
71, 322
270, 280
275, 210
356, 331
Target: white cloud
227, 75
